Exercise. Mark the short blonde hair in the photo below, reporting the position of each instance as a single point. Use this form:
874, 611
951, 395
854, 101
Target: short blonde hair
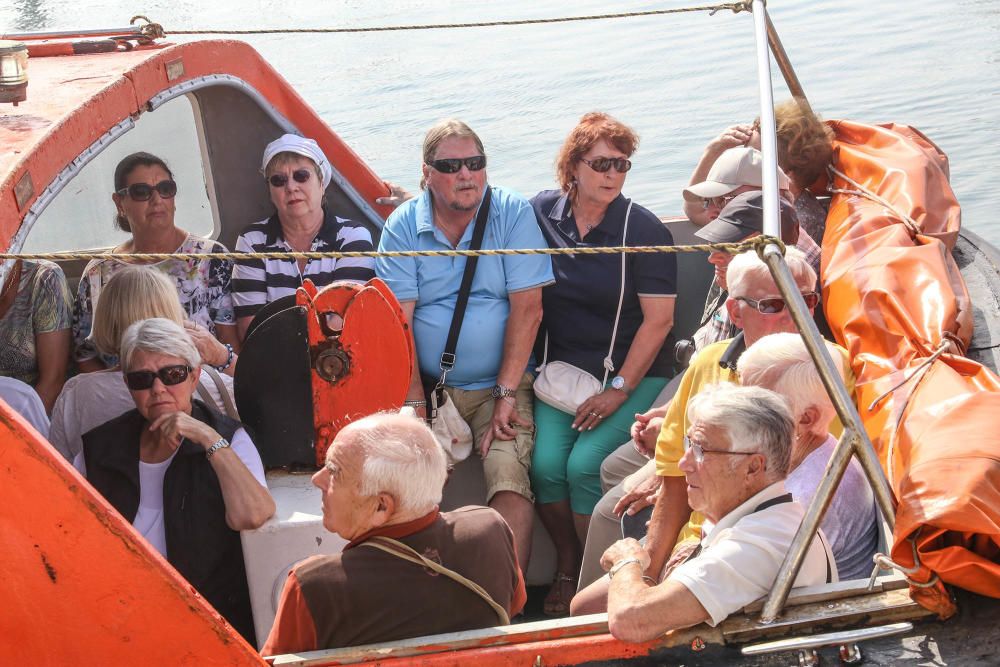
135, 293
805, 142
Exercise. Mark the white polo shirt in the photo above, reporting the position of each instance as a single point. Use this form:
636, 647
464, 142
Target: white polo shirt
741, 555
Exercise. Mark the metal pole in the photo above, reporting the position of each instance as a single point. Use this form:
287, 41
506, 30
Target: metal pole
807, 529
130, 31
785, 65
768, 140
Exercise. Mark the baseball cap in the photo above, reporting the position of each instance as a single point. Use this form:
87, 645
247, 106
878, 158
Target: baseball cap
734, 168
744, 215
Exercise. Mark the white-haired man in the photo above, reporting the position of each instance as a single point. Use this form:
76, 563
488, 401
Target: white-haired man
381, 487
739, 446
780, 362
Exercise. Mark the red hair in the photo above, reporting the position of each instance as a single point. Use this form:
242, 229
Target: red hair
592, 127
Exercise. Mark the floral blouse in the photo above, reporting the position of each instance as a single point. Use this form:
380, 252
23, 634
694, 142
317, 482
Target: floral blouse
42, 305
202, 285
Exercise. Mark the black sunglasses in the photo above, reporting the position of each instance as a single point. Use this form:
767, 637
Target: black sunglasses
454, 164
169, 375
280, 180
143, 191
774, 305
602, 164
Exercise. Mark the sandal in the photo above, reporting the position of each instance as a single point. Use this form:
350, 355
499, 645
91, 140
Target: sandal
562, 591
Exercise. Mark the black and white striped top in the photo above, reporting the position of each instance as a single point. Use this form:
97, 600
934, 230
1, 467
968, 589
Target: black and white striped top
257, 282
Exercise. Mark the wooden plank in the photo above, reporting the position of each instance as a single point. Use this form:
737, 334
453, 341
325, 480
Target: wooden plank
835, 591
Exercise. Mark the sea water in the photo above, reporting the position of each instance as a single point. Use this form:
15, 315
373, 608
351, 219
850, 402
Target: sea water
679, 80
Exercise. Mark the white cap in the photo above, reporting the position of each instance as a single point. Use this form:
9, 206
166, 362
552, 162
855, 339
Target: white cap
734, 168
293, 143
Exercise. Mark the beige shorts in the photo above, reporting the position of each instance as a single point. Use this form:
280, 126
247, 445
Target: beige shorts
507, 463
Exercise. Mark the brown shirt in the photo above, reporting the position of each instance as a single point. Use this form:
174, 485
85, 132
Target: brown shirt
366, 596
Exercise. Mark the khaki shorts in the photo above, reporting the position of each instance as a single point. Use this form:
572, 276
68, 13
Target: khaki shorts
507, 463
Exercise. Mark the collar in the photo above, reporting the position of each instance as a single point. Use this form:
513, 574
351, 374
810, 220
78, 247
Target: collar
327, 231
611, 225
710, 531
424, 217
397, 530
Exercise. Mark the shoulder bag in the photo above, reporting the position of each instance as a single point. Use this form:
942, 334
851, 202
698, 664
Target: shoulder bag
565, 386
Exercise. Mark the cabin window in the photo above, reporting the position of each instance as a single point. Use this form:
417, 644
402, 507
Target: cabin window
82, 215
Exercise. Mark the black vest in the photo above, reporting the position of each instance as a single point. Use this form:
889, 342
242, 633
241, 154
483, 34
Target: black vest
200, 545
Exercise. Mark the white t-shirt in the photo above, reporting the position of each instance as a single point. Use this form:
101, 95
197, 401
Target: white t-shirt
850, 520
741, 555
149, 518
90, 399
24, 400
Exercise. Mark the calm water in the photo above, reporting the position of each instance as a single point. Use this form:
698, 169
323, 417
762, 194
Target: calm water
678, 79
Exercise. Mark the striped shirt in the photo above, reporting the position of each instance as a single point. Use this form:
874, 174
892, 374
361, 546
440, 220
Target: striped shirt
257, 282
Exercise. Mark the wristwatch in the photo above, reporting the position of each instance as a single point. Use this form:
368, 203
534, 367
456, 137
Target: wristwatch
618, 382
500, 391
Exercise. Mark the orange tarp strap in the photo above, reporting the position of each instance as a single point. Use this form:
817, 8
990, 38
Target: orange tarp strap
894, 296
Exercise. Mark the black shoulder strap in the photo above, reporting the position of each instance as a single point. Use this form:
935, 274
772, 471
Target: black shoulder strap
448, 356
787, 498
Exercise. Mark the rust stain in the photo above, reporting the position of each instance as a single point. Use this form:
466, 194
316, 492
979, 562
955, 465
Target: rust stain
49, 570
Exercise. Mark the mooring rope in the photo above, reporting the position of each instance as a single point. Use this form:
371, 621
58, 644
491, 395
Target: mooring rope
735, 7
757, 243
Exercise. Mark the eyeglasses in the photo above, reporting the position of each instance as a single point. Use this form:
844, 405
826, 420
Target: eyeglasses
453, 164
699, 452
602, 164
718, 202
775, 304
169, 375
280, 180
143, 191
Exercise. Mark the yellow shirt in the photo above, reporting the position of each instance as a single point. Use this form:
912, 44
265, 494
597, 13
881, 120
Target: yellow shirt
703, 371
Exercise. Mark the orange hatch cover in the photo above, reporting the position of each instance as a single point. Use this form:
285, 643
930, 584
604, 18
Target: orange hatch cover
894, 296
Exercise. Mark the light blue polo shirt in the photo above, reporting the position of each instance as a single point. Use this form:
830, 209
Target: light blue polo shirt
433, 282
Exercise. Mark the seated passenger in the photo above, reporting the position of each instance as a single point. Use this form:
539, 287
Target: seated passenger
188, 478
90, 399
297, 174
23, 400
381, 487
35, 318
781, 363
738, 448
144, 196
588, 310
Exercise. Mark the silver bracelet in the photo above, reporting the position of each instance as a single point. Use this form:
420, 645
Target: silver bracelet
620, 564
415, 404
221, 443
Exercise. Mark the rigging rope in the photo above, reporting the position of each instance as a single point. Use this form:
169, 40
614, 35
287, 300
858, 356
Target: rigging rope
735, 7
757, 243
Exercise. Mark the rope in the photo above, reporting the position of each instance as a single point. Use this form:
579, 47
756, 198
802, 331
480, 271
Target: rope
862, 191
734, 7
883, 562
924, 365
732, 248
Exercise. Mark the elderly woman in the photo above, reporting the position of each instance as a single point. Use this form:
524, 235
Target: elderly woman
144, 197
188, 478
781, 363
90, 399
596, 300
35, 318
297, 173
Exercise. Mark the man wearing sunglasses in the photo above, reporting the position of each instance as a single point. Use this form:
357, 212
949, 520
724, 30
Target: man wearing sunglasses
488, 381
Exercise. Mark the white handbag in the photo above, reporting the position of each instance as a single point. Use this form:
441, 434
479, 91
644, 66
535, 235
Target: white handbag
451, 431
565, 386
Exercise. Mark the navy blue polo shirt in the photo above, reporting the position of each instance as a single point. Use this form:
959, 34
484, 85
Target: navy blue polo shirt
579, 309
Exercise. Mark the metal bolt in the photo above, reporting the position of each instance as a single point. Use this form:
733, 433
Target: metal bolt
850, 654
697, 644
808, 658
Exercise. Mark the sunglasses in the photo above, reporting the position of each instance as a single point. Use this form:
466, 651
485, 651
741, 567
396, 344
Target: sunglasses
775, 304
699, 452
169, 376
718, 202
454, 164
280, 180
143, 191
602, 164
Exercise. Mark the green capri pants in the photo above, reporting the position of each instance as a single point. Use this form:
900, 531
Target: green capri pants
567, 463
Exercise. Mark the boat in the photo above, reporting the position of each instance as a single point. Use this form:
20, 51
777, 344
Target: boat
85, 587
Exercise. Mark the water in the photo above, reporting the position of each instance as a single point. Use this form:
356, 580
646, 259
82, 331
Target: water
677, 79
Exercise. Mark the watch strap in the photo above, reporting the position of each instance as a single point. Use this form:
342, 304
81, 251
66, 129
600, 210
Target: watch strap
221, 443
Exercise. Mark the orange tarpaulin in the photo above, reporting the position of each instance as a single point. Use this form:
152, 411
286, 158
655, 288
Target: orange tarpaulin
894, 296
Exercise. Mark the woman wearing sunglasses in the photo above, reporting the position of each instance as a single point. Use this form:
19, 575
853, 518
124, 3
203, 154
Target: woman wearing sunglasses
89, 399
188, 478
596, 299
144, 199
297, 174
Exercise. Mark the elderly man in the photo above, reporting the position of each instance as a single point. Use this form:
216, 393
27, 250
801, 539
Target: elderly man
381, 487
661, 481
488, 381
739, 444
